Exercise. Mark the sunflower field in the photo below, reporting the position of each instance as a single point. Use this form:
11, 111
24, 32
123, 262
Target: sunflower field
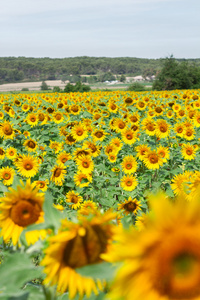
100, 195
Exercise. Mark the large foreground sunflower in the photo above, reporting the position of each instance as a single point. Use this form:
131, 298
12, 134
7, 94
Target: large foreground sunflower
162, 261
19, 209
77, 245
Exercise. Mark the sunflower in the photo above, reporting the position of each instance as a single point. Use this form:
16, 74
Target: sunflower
163, 152
141, 105
129, 183
112, 157
6, 130
94, 149
41, 184
149, 126
7, 175
2, 153
119, 125
110, 149
117, 143
88, 207
25, 107
162, 129
163, 261
77, 245
85, 164
189, 133
128, 136
75, 198
179, 129
31, 145
1, 115
99, 135
63, 157
56, 146
152, 160
196, 120
32, 119
11, 153
69, 139
27, 165
82, 179
142, 150
130, 206
180, 183
75, 109
112, 107
58, 117
129, 164
19, 209
188, 151
58, 174
79, 132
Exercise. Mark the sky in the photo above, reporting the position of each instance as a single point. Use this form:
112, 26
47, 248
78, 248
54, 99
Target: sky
100, 28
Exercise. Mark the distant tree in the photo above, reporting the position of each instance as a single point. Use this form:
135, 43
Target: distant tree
136, 86
78, 87
175, 75
122, 78
44, 86
24, 89
56, 89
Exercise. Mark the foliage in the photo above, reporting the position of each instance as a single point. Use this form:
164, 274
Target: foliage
136, 86
44, 86
175, 75
15, 69
78, 87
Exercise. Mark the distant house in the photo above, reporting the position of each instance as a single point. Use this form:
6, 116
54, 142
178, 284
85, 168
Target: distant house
138, 78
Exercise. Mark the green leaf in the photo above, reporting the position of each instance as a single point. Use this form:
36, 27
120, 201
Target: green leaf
102, 270
16, 270
52, 215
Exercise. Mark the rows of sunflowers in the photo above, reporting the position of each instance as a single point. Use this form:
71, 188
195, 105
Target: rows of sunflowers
100, 195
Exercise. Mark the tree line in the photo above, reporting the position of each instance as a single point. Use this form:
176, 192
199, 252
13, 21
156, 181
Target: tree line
16, 69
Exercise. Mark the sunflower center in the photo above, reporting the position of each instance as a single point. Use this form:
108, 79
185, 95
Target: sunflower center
158, 109
41, 184
163, 128
79, 132
85, 164
1, 152
57, 172
99, 134
89, 245
128, 182
25, 213
180, 129
31, 144
64, 159
41, 117
133, 119
129, 136
130, 206
28, 166
33, 119
189, 152
58, 117
113, 107
121, 125
153, 159
11, 153
128, 166
189, 133
151, 127
141, 104
74, 199
6, 176
7, 129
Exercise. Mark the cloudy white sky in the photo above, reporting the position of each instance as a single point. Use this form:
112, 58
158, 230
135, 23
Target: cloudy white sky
111, 28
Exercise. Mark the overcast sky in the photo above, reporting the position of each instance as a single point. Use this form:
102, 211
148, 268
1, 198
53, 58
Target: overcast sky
111, 28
